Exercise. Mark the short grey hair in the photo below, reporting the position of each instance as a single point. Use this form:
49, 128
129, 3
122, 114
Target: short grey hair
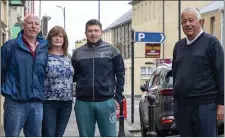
192, 9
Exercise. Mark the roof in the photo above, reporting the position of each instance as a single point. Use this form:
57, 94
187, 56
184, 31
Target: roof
122, 20
214, 5
132, 2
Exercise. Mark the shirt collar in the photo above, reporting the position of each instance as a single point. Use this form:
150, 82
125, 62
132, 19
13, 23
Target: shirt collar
189, 42
26, 42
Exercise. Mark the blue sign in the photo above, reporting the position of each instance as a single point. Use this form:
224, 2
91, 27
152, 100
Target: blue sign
149, 37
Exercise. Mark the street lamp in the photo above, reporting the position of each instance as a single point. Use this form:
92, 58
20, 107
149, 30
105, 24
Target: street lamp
64, 15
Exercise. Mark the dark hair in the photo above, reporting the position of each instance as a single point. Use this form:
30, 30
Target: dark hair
56, 30
93, 22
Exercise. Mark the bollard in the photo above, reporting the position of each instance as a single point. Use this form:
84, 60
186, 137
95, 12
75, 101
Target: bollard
151, 116
121, 121
151, 121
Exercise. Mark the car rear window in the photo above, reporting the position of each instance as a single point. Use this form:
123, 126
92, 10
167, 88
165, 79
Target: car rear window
169, 79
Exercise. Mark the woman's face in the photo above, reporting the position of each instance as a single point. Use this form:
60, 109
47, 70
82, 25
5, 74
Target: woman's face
58, 40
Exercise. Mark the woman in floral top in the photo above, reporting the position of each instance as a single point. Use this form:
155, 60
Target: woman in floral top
58, 85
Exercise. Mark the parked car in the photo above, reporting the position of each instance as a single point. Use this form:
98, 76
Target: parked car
160, 85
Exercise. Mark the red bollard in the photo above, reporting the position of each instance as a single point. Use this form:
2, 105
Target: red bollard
124, 109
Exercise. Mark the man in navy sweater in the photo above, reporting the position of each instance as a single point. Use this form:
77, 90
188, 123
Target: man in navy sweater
198, 71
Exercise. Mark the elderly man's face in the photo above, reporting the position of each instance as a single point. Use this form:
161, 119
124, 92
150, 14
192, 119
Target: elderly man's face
31, 26
191, 24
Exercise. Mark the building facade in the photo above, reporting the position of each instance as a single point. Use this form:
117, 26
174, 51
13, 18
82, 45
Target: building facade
119, 35
4, 37
18, 9
213, 17
79, 43
156, 16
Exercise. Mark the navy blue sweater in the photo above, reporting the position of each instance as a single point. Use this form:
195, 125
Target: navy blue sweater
198, 71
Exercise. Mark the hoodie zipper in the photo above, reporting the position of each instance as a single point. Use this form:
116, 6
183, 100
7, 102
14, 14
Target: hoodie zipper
93, 71
110, 87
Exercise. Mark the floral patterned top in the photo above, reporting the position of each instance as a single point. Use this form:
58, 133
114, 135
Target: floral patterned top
59, 78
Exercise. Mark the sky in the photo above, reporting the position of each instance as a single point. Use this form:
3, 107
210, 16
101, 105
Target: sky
78, 13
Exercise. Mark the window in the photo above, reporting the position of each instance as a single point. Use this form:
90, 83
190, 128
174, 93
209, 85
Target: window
146, 72
212, 26
155, 81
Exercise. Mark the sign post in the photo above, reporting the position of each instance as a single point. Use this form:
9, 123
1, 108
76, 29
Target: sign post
153, 41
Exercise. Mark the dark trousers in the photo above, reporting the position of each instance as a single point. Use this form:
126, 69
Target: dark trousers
56, 115
196, 120
26, 115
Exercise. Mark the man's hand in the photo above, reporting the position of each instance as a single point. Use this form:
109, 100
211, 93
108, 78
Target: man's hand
220, 112
117, 104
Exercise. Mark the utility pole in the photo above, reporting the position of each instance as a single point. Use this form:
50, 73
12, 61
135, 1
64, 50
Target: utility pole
99, 10
132, 76
39, 9
179, 27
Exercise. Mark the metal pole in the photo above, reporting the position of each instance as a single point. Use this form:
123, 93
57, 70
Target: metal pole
179, 27
99, 10
151, 121
121, 121
64, 16
132, 78
40, 9
163, 25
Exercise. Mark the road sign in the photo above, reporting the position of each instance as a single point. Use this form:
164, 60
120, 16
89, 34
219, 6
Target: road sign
152, 50
166, 60
149, 37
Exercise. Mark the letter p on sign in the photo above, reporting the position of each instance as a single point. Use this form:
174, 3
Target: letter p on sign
141, 36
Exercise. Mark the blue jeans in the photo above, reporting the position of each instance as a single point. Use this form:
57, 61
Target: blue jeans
55, 118
88, 113
26, 115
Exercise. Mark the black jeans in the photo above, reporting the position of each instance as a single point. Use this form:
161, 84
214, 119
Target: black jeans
56, 115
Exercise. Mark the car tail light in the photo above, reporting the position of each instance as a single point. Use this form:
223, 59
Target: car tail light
167, 92
167, 119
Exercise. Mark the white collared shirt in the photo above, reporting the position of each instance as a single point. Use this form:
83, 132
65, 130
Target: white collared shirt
189, 42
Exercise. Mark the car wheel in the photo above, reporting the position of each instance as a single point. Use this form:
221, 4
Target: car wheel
143, 129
